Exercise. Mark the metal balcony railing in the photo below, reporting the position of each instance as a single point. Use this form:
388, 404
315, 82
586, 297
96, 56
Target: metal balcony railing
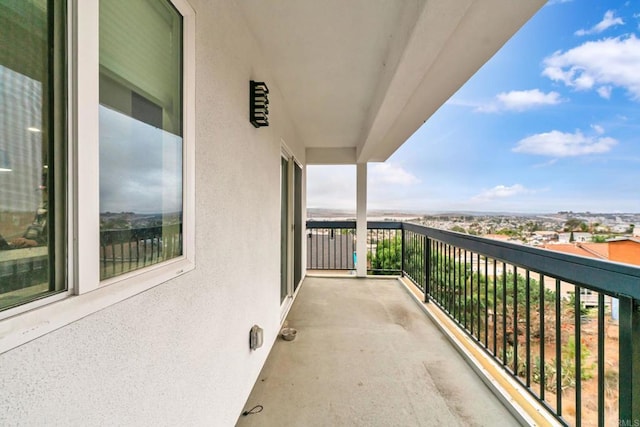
129, 249
120, 251
331, 245
567, 328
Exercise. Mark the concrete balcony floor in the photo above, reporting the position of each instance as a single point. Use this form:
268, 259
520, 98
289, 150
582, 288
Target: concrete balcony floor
367, 355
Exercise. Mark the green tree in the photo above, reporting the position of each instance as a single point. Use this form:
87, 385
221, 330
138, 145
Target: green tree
388, 256
572, 224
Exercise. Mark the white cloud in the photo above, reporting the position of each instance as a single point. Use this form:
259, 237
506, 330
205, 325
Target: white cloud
599, 129
608, 21
331, 187
552, 2
601, 64
390, 186
334, 187
388, 173
500, 192
520, 100
604, 91
561, 144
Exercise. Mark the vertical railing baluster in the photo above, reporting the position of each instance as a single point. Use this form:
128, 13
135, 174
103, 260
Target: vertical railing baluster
335, 239
448, 291
472, 310
456, 284
527, 295
321, 253
543, 379
486, 302
402, 254
578, 356
515, 320
629, 356
113, 258
465, 288
461, 285
478, 300
137, 250
504, 313
558, 349
341, 261
495, 308
439, 272
427, 273
478, 297
601, 373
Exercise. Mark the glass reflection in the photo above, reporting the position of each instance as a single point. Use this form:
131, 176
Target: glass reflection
29, 60
140, 135
140, 194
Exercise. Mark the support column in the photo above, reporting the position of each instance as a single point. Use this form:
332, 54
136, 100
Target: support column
361, 219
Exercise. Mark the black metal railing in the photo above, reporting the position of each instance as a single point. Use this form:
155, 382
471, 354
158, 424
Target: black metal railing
567, 328
331, 245
129, 249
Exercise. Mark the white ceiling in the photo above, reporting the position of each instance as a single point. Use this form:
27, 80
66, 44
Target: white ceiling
360, 76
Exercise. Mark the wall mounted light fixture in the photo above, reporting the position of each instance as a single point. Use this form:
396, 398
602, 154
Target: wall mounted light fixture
258, 104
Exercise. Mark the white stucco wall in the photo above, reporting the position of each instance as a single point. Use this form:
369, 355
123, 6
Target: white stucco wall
178, 354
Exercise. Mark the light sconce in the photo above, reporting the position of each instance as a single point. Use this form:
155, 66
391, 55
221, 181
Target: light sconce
258, 104
5, 165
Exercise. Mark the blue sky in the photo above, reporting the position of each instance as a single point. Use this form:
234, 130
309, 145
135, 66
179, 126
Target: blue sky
550, 123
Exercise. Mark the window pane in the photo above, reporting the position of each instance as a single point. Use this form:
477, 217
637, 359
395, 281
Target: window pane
31, 150
140, 134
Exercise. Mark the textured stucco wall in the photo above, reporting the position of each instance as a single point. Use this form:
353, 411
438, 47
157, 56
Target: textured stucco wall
178, 353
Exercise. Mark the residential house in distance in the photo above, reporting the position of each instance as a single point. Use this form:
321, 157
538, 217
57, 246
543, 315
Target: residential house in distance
543, 237
625, 249
578, 236
622, 250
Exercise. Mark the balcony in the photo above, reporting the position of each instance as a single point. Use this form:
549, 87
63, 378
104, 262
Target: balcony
367, 355
549, 331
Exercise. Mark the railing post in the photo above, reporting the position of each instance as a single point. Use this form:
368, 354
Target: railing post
629, 362
427, 268
402, 246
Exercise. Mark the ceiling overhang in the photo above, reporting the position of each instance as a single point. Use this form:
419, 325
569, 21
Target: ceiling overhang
359, 77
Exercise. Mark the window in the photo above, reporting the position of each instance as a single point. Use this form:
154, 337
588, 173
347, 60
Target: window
32, 151
99, 200
141, 142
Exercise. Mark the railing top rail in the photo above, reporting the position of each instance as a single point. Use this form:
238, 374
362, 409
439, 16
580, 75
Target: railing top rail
391, 225
603, 276
116, 236
331, 224
608, 277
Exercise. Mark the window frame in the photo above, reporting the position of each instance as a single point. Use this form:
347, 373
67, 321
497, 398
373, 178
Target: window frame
57, 244
85, 293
